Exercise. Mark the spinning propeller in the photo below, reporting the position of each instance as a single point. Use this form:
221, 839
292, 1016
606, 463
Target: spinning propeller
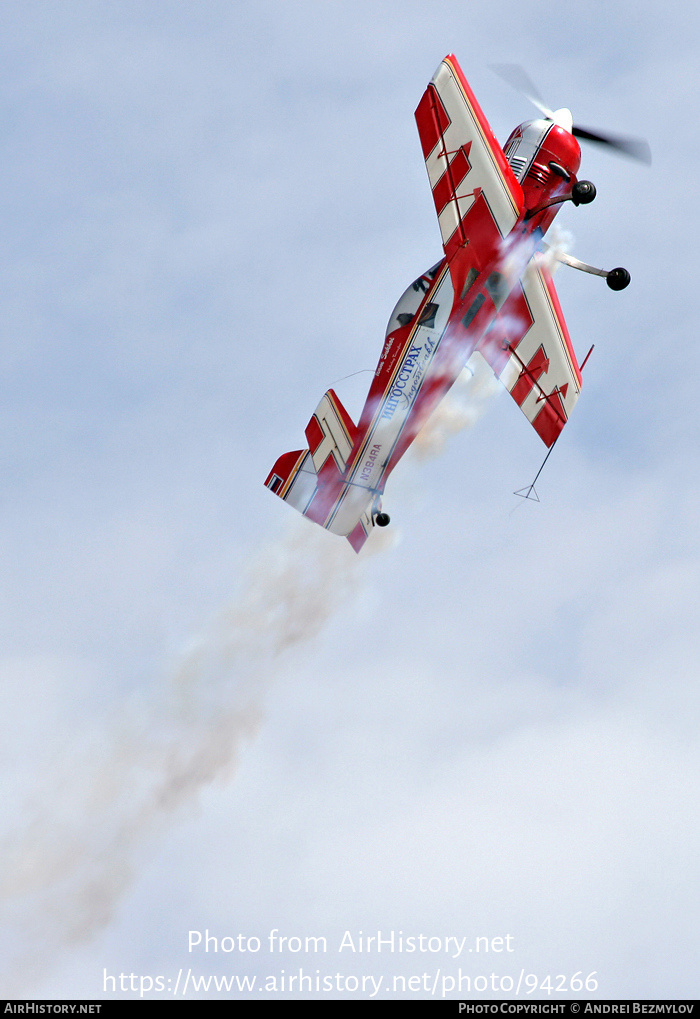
517, 77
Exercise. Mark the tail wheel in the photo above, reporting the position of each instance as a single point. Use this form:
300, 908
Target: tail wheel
381, 519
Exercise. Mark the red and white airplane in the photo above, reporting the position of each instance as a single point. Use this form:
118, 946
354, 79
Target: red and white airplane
490, 294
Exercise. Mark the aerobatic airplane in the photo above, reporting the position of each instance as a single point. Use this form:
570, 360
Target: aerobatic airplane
490, 294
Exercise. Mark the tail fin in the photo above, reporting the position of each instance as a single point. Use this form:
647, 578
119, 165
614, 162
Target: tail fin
312, 480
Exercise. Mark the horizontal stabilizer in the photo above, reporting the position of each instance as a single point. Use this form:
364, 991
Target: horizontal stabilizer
313, 480
330, 433
294, 479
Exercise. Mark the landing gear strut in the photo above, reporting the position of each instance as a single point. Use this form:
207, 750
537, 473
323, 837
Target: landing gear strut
617, 279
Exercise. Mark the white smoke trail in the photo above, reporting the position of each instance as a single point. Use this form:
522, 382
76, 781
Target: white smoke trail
461, 408
75, 855
559, 241
477, 385
69, 862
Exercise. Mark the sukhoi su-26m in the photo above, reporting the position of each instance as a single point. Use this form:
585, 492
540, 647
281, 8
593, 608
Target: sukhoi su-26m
491, 294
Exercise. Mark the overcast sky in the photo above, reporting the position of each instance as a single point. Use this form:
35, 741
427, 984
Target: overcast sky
218, 718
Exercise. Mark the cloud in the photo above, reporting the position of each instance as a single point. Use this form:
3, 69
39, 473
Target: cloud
208, 217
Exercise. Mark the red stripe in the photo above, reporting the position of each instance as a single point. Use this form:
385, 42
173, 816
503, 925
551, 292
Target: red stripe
285, 467
350, 426
481, 225
529, 374
314, 434
512, 323
446, 188
551, 419
432, 120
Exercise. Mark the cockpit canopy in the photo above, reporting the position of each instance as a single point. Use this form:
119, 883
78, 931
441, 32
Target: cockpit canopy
410, 301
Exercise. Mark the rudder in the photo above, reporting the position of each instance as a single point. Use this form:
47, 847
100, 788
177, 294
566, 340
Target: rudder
312, 480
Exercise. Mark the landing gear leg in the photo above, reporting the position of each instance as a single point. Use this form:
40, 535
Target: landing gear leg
617, 279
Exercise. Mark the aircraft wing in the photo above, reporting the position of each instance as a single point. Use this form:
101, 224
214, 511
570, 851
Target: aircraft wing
530, 350
477, 198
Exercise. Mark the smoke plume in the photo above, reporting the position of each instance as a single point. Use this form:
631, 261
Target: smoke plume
464, 404
77, 848
76, 852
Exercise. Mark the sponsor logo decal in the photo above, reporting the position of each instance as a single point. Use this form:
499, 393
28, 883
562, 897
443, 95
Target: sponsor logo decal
408, 380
